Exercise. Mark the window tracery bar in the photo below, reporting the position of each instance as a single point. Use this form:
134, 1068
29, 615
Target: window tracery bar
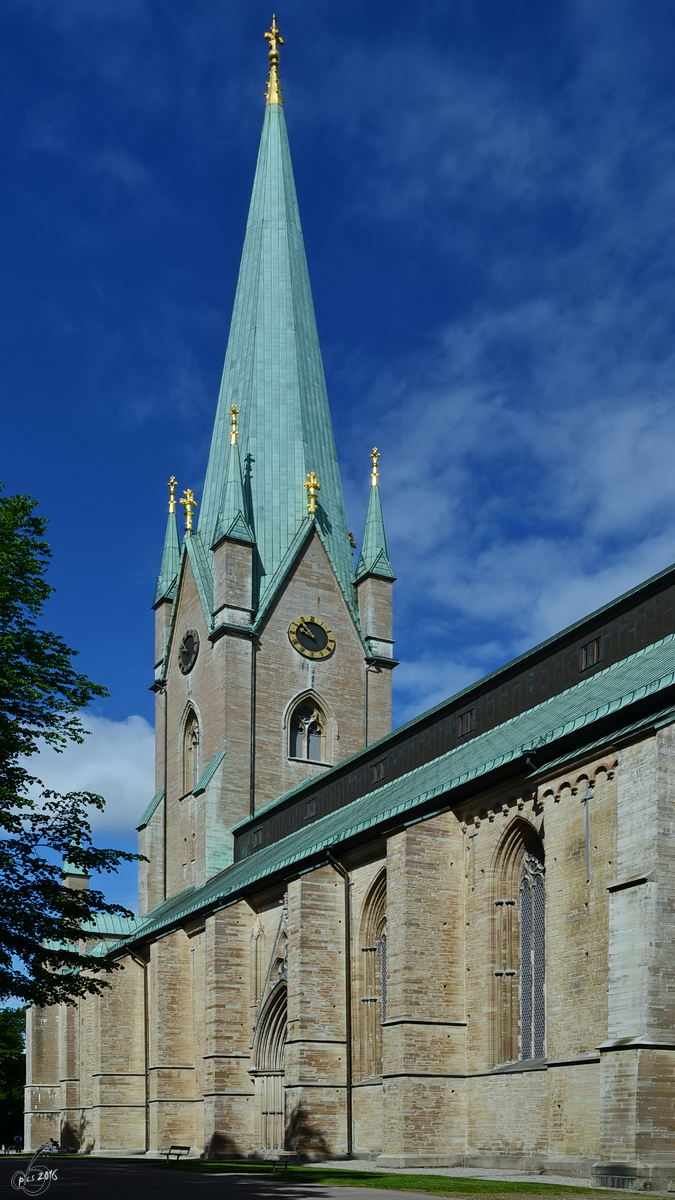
306, 739
532, 960
383, 976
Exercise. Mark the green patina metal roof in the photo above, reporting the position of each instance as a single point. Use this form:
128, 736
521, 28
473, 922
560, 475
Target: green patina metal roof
207, 775
112, 925
70, 868
200, 561
274, 374
232, 520
374, 559
168, 572
644, 674
156, 800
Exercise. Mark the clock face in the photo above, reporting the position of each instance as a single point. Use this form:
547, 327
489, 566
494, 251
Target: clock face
188, 651
311, 637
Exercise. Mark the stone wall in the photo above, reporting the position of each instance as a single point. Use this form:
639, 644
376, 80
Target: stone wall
602, 1098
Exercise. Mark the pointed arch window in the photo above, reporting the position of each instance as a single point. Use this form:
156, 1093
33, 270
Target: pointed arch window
519, 1029
372, 978
191, 753
307, 733
268, 1071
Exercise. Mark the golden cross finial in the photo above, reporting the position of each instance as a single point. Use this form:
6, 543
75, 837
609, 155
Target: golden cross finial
313, 486
274, 89
190, 505
172, 485
375, 473
234, 429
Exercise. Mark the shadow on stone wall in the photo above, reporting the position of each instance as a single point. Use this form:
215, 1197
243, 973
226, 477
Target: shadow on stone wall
221, 1145
303, 1136
70, 1138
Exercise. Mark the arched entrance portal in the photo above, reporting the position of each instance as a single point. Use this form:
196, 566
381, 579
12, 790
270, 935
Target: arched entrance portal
268, 1071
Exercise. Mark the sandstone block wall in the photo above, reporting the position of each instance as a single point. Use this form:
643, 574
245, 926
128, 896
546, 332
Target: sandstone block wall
601, 1101
227, 1085
315, 1059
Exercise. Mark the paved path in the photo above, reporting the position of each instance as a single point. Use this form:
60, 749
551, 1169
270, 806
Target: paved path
103, 1180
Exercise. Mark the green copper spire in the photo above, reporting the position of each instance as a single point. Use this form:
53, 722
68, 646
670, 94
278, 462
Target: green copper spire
232, 521
273, 373
374, 559
168, 572
69, 868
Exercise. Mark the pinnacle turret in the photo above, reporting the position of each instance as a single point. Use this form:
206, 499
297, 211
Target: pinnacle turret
168, 571
232, 522
374, 558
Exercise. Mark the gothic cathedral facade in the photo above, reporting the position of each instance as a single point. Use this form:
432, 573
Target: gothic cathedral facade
447, 944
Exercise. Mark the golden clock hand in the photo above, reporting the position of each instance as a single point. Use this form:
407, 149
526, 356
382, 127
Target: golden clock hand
305, 629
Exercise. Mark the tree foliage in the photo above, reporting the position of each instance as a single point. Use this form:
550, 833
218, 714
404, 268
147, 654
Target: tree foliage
12, 1055
12, 1072
41, 696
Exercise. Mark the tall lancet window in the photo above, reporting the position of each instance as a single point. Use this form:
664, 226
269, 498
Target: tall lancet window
307, 726
191, 753
371, 980
518, 1022
532, 1001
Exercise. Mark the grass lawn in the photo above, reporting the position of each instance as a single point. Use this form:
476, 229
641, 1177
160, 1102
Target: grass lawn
437, 1185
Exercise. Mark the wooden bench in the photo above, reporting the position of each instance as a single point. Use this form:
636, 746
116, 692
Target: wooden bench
177, 1151
285, 1156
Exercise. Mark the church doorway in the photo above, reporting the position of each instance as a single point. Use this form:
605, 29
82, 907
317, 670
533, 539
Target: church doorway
268, 1070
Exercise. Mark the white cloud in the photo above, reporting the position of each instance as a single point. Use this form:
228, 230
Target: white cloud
527, 450
116, 761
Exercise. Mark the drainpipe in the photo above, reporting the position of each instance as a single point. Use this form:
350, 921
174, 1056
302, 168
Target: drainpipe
348, 997
166, 778
144, 966
254, 648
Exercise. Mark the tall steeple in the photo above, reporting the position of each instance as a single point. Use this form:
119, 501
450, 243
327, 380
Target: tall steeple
273, 373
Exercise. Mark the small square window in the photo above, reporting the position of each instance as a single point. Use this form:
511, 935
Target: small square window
467, 722
591, 653
257, 838
379, 770
310, 808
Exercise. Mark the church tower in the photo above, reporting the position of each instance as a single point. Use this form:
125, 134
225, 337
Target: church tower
273, 656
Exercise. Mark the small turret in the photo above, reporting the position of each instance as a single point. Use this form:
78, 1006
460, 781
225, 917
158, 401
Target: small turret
374, 580
168, 572
233, 544
167, 580
74, 877
232, 522
374, 559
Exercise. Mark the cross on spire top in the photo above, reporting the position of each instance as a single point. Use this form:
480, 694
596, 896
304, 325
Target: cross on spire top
172, 485
190, 504
375, 473
273, 93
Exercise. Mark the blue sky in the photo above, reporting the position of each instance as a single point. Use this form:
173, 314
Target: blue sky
488, 200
